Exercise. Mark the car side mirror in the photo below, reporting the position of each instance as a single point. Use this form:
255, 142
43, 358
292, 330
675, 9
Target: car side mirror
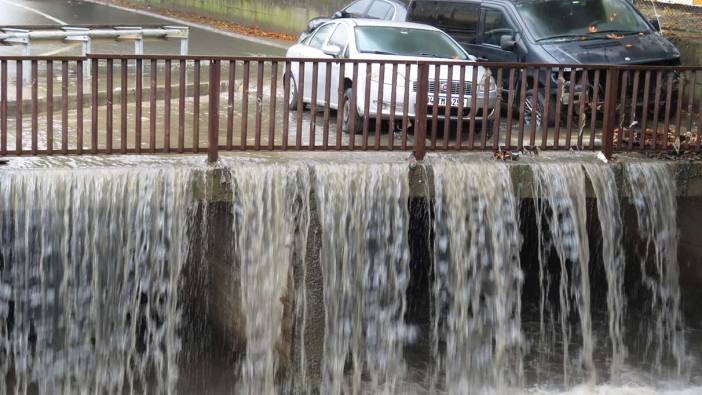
507, 42
331, 50
655, 24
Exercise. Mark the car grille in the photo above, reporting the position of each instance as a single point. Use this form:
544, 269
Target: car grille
443, 86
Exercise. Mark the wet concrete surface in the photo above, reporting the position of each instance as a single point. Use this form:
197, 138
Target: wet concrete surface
49, 12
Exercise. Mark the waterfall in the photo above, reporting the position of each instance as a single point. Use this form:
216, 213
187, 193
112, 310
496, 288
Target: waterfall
653, 196
559, 191
478, 279
90, 260
270, 212
365, 265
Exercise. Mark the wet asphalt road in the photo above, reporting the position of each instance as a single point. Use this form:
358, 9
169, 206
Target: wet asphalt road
55, 12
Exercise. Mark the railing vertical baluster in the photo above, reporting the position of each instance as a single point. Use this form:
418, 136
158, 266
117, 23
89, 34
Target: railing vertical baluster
124, 105
699, 126
274, 93
535, 105
473, 106
405, 106
231, 84
366, 104
181, 105
340, 103
49, 107
109, 113
435, 105
313, 104
644, 109
167, 107
259, 103
668, 107
678, 109
420, 121
582, 116
138, 105
634, 102
461, 107
573, 78
547, 108
622, 108
593, 114
353, 106
510, 108
196, 107
300, 104
522, 103
286, 103
447, 107
64, 107
79, 107
327, 101
610, 108
35, 105
152, 105
379, 105
94, 106
3, 107
656, 108
486, 101
393, 107
498, 109
691, 108
213, 101
559, 106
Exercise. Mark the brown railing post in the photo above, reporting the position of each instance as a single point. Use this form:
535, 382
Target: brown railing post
420, 112
610, 109
213, 124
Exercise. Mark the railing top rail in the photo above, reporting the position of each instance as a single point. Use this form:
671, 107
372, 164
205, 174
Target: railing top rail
356, 61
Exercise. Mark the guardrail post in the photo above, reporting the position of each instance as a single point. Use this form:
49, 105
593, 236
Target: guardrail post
213, 124
420, 112
610, 109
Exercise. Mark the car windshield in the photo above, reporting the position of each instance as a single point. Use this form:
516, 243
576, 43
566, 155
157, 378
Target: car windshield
580, 19
390, 40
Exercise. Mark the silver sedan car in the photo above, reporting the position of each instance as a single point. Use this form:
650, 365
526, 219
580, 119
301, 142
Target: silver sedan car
379, 41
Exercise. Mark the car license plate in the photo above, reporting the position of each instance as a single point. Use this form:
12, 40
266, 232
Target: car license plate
442, 101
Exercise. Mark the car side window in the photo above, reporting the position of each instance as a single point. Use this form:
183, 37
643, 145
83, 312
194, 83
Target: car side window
495, 26
357, 9
320, 37
340, 37
380, 10
458, 19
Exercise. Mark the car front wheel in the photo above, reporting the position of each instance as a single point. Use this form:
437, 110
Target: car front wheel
349, 114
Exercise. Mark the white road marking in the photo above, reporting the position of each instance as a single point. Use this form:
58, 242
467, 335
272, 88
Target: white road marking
45, 15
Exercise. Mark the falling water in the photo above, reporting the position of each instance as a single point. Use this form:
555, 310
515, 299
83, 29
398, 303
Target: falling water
89, 267
270, 212
364, 258
605, 187
653, 196
559, 189
478, 279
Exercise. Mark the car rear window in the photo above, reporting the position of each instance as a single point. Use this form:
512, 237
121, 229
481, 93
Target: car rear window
399, 41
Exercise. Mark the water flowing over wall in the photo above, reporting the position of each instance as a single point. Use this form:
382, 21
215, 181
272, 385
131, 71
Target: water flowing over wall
89, 268
538, 276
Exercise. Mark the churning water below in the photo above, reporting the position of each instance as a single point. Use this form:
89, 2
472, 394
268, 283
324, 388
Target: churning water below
560, 293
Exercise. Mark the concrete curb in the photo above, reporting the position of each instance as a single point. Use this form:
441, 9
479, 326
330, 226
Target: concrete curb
211, 29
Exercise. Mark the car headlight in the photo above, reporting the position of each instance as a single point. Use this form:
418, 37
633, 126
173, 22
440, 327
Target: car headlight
491, 85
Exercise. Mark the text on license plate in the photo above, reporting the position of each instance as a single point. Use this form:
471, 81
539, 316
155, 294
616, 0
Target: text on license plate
442, 101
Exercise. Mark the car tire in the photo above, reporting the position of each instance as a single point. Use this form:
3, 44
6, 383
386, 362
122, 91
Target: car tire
350, 112
538, 112
292, 100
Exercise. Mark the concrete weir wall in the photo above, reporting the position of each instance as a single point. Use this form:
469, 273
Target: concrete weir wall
216, 276
288, 16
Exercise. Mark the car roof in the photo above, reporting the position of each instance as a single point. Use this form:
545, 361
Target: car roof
384, 23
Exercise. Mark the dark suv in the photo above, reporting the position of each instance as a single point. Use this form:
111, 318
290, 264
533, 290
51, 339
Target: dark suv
549, 31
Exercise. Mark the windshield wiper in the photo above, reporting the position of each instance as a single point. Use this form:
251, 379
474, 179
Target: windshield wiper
562, 36
615, 31
381, 53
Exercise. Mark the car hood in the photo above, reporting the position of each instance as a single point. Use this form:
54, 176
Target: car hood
633, 49
443, 69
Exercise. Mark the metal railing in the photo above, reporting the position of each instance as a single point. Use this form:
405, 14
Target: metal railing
155, 104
